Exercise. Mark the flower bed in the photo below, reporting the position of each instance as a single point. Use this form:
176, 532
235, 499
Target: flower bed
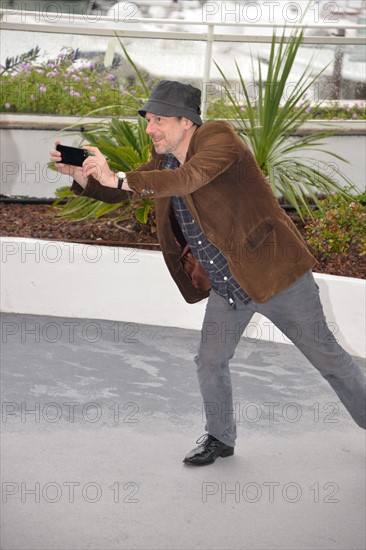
328, 110
40, 222
66, 86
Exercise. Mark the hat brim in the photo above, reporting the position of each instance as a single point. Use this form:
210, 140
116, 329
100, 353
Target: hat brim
166, 109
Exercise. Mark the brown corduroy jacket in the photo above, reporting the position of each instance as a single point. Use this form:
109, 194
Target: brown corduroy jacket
231, 200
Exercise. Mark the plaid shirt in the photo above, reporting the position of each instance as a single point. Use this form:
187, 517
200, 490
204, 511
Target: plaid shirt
212, 260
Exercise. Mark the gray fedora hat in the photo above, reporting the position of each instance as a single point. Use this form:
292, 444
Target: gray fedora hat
172, 98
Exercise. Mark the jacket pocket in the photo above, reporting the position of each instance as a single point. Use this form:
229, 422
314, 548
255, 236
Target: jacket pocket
259, 234
194, 271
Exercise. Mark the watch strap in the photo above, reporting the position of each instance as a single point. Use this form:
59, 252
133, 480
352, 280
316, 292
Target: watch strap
121, 176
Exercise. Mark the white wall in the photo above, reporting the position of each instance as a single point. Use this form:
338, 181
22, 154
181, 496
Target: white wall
24, 155
121, 284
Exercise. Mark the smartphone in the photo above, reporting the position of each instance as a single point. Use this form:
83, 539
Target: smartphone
72, 155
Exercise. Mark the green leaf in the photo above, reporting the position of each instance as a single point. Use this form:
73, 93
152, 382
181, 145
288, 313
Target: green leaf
126, 145
270, 122
129, 59
142, 212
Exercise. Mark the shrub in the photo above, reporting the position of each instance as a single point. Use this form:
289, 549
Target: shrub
220, 108
64, 86
126, 145
341, 225
268, 123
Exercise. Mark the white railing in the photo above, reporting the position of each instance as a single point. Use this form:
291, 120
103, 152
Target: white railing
209, 32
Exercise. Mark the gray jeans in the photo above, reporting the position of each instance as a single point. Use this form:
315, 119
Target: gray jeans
295, 311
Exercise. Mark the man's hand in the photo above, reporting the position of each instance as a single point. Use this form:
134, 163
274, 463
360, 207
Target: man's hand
97, 167
75, 172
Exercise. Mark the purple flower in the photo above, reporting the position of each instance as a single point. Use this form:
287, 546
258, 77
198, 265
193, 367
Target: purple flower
76, 78
7, 105
42, 89
354, 115
308, 110
243, 108
93, 98
110, 76
91, 66
72, 92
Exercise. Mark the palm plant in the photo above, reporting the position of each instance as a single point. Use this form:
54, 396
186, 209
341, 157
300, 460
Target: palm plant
126, 145
269, 122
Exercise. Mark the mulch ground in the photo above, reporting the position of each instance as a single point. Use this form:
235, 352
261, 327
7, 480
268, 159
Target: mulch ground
40, 222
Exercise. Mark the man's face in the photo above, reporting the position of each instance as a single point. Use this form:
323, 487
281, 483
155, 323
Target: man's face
168, 134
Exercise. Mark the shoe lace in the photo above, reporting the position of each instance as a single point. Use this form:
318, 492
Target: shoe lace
205, 437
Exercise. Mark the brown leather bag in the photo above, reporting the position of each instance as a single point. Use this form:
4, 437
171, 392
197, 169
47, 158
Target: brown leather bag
194, 270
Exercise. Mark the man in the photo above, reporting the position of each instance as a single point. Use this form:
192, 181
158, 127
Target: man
212, 199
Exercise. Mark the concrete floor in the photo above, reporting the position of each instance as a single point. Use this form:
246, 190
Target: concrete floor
97, 417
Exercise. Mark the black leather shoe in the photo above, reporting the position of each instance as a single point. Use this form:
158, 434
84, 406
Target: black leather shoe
208, 450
